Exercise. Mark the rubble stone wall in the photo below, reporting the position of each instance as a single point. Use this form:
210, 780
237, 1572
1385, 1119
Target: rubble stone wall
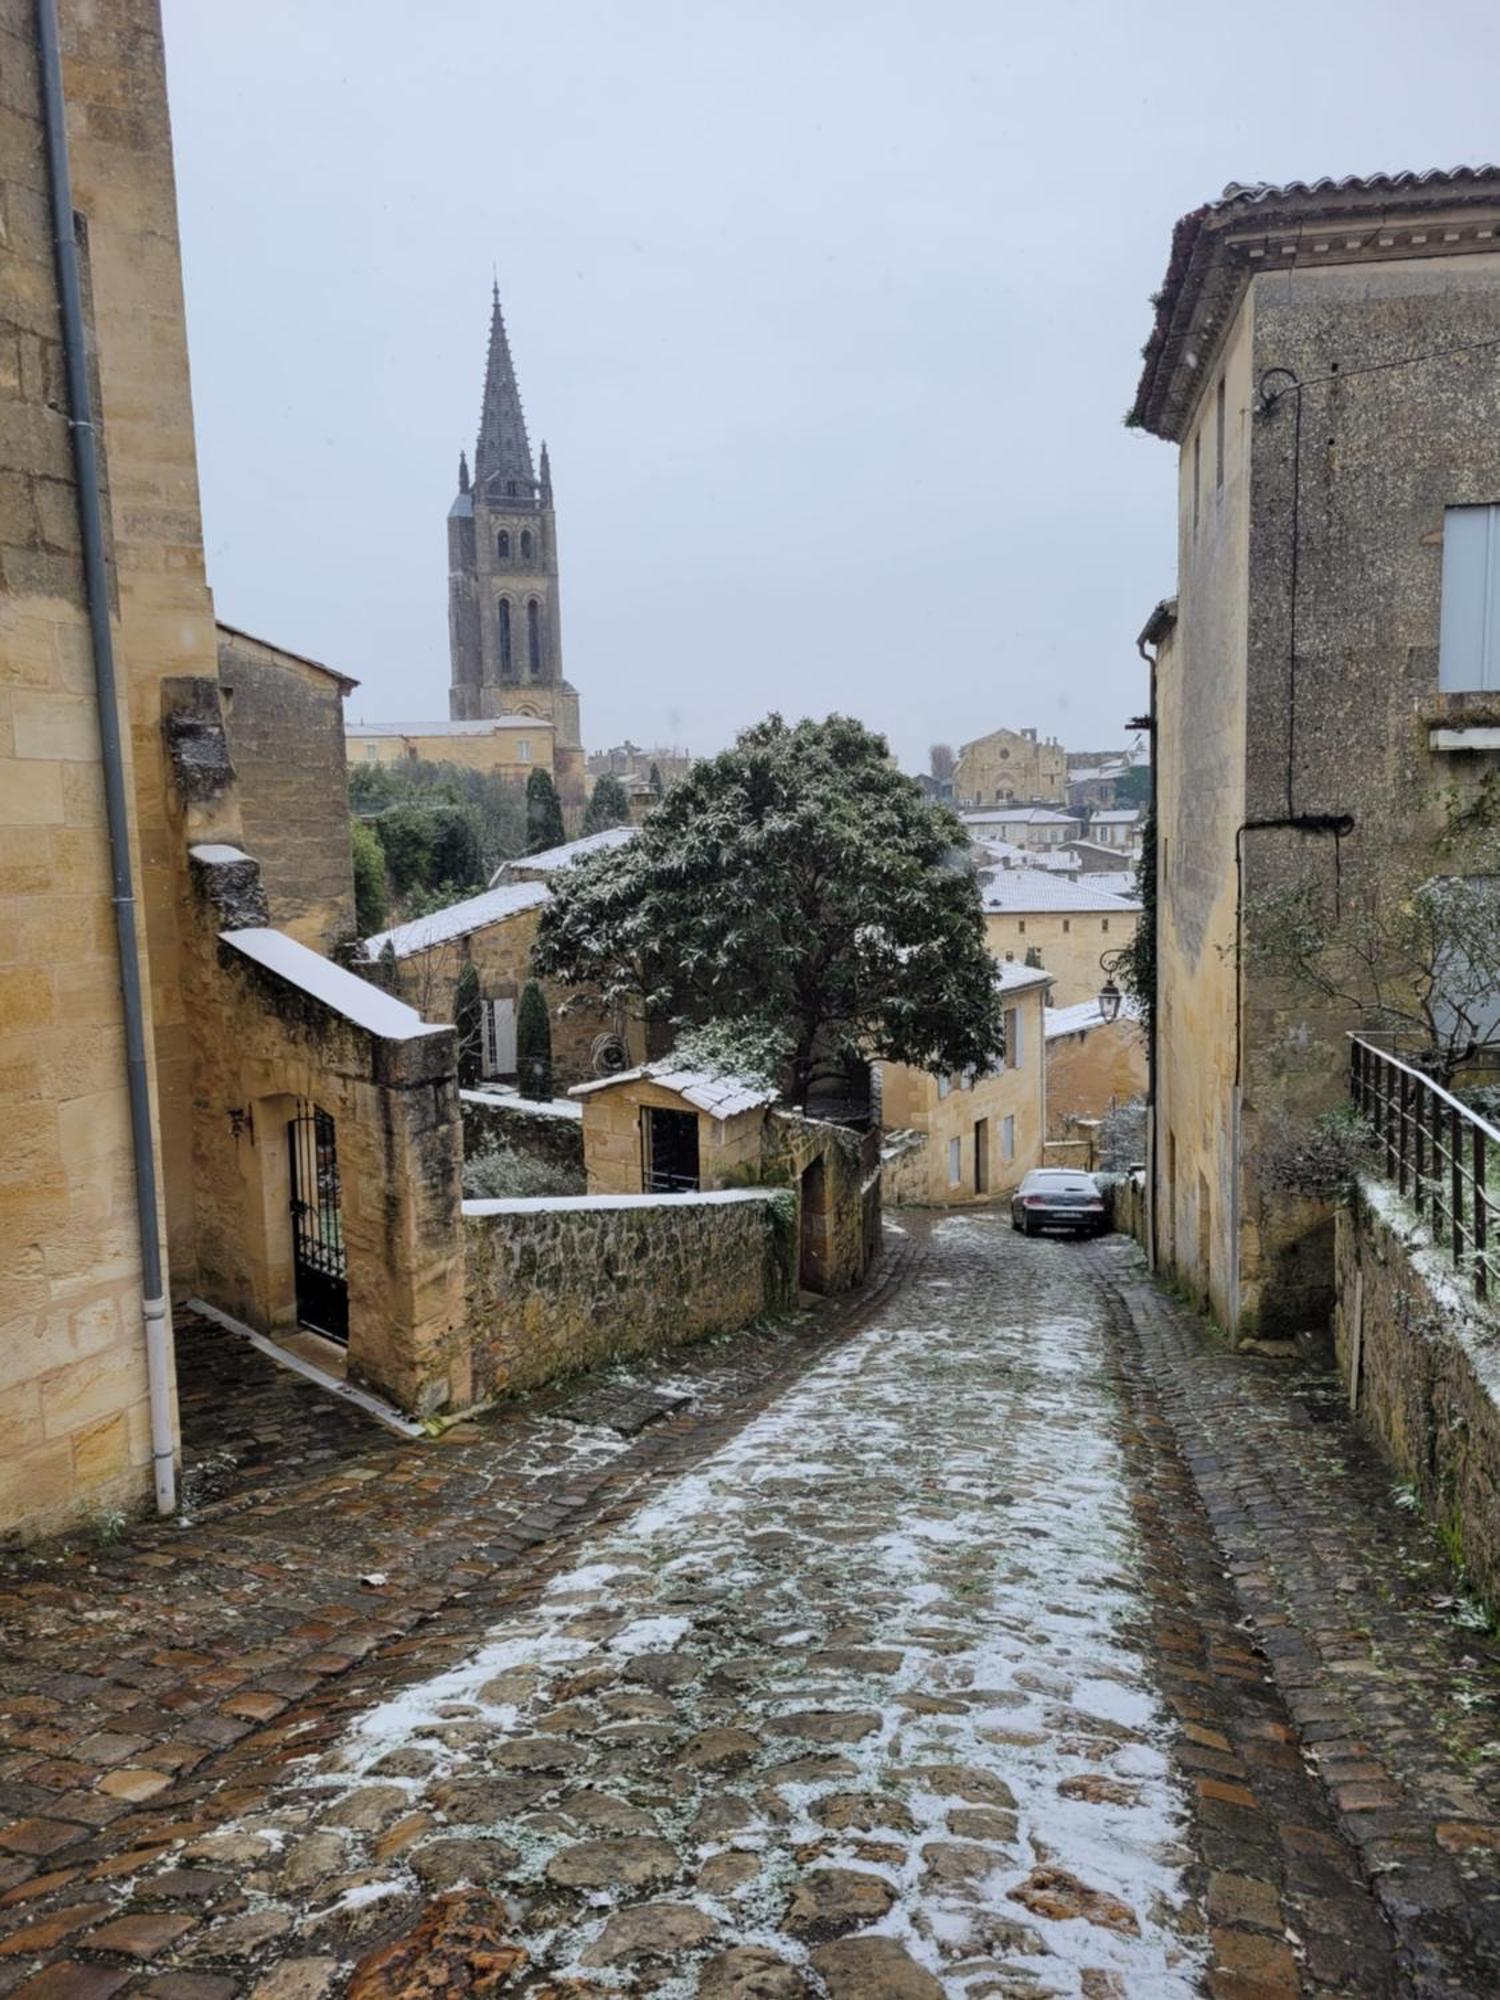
491, 1121
1411, 1347
555, 1286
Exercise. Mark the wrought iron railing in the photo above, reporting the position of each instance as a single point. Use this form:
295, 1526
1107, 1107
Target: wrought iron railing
1439, 1152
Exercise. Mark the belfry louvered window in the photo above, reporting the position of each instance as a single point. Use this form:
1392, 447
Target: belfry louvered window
1469, 649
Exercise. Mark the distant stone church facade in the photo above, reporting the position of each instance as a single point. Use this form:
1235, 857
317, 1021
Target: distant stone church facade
504, 612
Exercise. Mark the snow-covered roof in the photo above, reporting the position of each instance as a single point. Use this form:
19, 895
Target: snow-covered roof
1116, 816
486, 726
1024, 889
1077, 1020
342, 992
474, 913
999, 850
568, 853
1011, 978
1019, 816
719, 1096
1056, 861
1115, 882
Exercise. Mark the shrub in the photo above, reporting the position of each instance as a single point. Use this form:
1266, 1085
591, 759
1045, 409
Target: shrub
370, 901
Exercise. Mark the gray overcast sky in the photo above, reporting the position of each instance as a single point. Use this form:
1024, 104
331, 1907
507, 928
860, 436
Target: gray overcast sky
828, 311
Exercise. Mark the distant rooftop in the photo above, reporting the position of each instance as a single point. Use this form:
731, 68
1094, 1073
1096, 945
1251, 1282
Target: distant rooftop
486, 726
552, 858
1086, 1014
474, 913
1017, 816
1022, 890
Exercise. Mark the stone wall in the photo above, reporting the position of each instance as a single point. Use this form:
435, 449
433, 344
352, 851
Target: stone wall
510, 751
74, 1425
285, 721
1419, 1359
836, 1176
1091, 1071
1070, 945
491, 1120
556, 1286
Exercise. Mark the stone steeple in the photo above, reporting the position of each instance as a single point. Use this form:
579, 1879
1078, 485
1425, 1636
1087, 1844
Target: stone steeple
502, 459
504, 610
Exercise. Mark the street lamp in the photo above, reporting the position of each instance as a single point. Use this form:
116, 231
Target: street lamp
1110, 995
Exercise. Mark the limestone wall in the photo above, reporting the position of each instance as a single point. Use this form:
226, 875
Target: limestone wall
1092, 1071
491, 1120
74, 1427
562, 1285
1418, 1358
510, 751
285, 722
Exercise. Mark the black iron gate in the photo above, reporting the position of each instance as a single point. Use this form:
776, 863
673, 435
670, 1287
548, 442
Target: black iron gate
318, 1255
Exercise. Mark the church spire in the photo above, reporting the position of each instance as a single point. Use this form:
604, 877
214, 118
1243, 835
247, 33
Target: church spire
503, 452
463, 472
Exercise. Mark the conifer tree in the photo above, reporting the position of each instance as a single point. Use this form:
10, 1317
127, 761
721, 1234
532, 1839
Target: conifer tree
608, 806
533, 1043
544, 820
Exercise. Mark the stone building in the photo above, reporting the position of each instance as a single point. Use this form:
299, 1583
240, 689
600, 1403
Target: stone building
284, 715
966, 1138
1031, 827
1095, 1064
1323, 357
504, 607
1010, 765
243, 1034
1066, 922
508, 750
494, 932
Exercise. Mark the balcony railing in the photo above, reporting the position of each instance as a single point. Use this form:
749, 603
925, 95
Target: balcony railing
1440, 1154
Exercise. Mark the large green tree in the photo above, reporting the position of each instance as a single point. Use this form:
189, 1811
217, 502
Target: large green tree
544, 820
800, 884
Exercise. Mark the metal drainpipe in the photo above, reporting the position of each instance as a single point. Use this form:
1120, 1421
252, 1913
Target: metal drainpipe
1155, 1137
96, 585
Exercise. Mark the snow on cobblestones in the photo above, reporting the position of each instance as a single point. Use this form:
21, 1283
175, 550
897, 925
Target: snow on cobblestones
872, 1670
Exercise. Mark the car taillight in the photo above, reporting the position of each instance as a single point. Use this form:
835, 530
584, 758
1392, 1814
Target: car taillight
1032, 1201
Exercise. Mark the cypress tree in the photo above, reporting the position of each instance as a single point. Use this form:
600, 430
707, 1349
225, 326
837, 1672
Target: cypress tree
608, 806
533, 1043
544, 820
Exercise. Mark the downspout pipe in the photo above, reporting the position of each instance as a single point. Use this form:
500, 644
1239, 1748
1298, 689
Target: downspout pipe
81, 423
1148, 645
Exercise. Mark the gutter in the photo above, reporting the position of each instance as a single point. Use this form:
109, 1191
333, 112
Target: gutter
81, 424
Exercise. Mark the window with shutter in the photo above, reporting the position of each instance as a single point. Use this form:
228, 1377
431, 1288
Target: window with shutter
1469, 645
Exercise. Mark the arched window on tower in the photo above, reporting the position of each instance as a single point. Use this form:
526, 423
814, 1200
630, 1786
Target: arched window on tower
505, 653
502, 545
534, 635
526, 545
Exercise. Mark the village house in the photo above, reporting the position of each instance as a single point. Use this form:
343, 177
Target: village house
1096, 1062
1011, 764
494, 932
1323, 358
1119, 827
1065, 925
1035, 828
966, 1138
507, 748
1094, 777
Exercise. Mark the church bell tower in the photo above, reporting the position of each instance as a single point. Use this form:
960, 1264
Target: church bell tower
504, 616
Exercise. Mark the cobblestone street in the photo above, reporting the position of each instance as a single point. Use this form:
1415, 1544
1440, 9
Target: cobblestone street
994, 1635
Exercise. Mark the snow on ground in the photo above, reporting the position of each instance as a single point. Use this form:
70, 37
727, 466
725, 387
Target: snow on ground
911, 1583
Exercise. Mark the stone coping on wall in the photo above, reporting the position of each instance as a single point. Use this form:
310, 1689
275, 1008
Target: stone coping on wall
574, 1203
531, 1107
342, 992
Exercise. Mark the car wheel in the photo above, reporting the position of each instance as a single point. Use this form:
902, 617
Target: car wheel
1026, 1228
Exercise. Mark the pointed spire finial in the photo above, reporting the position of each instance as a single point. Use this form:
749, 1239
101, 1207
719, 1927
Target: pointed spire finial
503, 453
463, 472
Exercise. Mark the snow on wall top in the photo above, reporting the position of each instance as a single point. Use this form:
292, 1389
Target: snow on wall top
719, 1096
474, 913
340, 991
215, 853
1077, 1020
1024, 889
575, 1204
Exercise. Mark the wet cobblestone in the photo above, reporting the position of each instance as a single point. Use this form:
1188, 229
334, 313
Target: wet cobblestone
911, 1653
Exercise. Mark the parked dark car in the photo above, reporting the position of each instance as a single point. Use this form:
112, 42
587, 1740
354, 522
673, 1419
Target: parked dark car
1058, 1198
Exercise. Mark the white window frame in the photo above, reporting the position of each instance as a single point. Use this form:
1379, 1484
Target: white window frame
499, 1035
1008, 1136
955, 1163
